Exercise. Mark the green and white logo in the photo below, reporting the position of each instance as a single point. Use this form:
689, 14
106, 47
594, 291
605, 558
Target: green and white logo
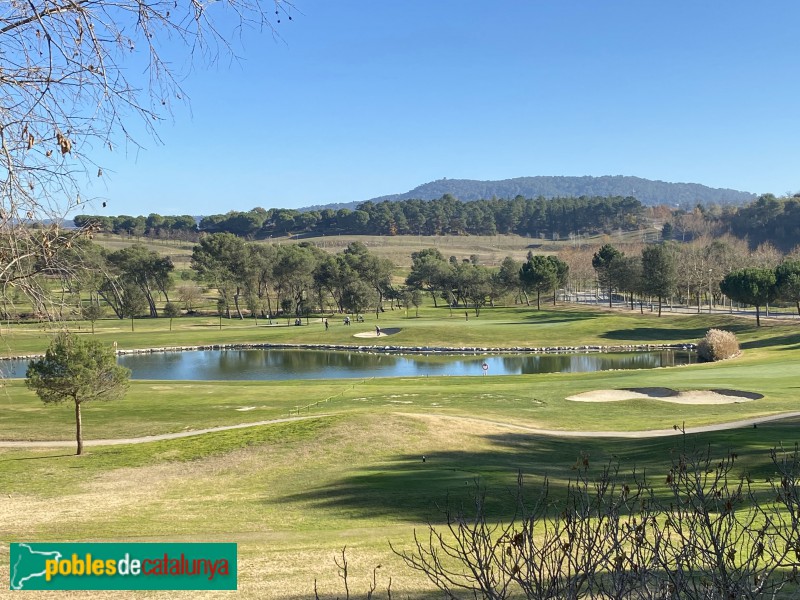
95, 566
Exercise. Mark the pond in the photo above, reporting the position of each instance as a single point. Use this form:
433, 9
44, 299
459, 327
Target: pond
261, 364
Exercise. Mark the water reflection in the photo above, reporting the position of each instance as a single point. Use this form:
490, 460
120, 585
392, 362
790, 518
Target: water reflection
580, 363
315, 364
319, 364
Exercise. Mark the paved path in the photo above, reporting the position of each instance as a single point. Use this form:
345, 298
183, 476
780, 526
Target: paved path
649, 433
148, 438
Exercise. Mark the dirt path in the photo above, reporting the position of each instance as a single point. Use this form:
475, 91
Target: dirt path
648, 433
148, 438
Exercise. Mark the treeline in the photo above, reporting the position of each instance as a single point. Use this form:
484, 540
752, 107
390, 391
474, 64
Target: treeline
776, 220
258, 279
767, 219
248, 278
300, 279
153, 225
697, 273
290, 280
537, 217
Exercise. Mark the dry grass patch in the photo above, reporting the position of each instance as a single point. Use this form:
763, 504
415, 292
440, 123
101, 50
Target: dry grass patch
104, 495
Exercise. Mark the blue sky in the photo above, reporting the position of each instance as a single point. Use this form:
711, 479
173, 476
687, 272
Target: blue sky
361, 98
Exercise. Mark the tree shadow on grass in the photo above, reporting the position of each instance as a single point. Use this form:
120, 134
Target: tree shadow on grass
790, 341
406, 488
37, 457
552, 317
653, 334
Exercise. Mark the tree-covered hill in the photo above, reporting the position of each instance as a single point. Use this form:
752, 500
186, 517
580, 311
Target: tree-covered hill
648, 192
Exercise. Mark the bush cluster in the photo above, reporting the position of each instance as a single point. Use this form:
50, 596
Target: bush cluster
718, 344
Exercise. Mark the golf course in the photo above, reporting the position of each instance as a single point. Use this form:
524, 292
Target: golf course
295, 471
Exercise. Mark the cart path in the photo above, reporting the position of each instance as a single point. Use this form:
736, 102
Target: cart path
148, 438
647, 433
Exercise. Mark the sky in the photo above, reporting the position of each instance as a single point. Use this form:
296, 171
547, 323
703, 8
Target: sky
356, 99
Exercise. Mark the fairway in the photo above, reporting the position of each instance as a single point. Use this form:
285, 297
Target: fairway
292, 492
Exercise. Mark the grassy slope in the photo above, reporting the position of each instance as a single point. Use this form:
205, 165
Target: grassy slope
292, 493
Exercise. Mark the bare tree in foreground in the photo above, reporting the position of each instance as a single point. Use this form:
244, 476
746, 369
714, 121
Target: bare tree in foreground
705, 533
70, 90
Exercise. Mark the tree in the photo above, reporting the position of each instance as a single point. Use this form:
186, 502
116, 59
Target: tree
294, 273
538, 273
658, 272
477, 285
625, 275
562, 274
357, 296
221, 261
258, 276
132, 302
416, 300
787, 278
601, 261
751, 286
171, 310
405, 298
428, 271
77, 370
150, 271
71, 89
371, 269
507, 277
189, 295
92, 313
332, 274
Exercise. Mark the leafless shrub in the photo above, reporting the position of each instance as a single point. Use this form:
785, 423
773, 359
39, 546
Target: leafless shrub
718, 344
343, 572
706, 534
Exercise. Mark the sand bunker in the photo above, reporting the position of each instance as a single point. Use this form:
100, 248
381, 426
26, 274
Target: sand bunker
384, 332
718, 396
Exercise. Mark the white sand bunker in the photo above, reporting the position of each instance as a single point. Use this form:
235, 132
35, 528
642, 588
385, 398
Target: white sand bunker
374, 333
668, 395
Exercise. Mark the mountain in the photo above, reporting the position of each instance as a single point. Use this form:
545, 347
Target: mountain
332, 206
647, 191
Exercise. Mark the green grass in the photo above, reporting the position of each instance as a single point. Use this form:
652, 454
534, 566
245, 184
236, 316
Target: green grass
291, 494
496, 327
19, 474
537, 401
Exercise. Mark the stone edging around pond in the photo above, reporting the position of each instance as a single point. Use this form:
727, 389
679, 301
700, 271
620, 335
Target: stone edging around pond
400, 349
416, 349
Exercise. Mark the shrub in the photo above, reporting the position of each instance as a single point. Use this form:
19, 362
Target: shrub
708, 532
718, 344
